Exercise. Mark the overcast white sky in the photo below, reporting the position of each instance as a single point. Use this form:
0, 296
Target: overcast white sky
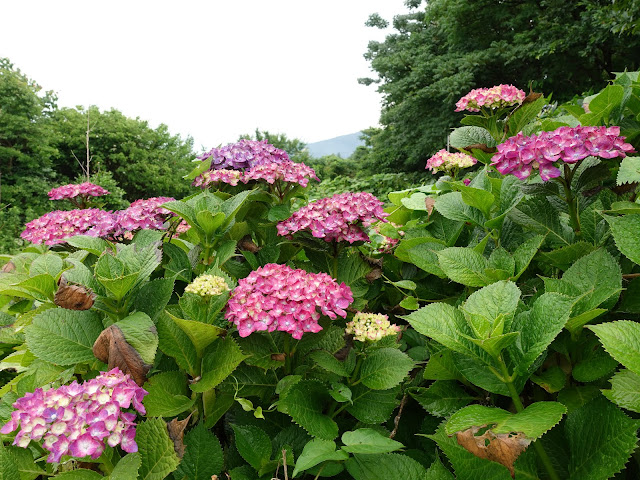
210, 69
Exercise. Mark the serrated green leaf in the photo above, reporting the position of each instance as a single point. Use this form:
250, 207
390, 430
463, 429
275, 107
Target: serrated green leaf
462, 137
625, 233
368, 441
451, 206
140, 332
524, 114
48, 263
422, 253
203, 457
175, 343
478, 198
601, 438
552, 380
442, 398
305, 402
79, 474
625, 390
525, 253
156, 449
492, 307
167, 395
63, 337
464, 265
602, 104
385, 368
621, 339
384, 467
154, 296
317, 451
593, 362
539, 216
340, 393
220, 359
259, 348
441, 367
8, 468
201, 334
330, 363
437, 471
90, 244
629, 171
373, 406
127, 467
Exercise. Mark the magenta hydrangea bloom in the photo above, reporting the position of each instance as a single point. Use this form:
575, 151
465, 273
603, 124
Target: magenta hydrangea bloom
55, 227
243, 154
337, 218
444, 161
499, 96
286, 171
521, 154
230, 177
78, 419
142, 214
71, 191
277, 297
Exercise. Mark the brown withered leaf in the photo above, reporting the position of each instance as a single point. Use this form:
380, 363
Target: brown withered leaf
481, 146
503, 448
247, 244
531, 97
176, 433
112, 349
73, 297
429, 202
373, 274
278, 357
8, 267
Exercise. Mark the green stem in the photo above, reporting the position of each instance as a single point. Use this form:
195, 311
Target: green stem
571, 199
542, 455
287, 354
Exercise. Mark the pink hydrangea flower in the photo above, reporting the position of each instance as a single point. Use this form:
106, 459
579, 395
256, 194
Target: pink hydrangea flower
337, 218
243, 154
55, 227
499, 96
143, 214
76, 419
230, 177
286, 171
277, 297
520, 155
72, 191
444, 161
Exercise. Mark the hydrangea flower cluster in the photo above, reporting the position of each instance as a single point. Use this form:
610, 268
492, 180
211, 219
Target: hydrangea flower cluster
70, 191
55, 227
207, 286
277, 297
78, 419
444, 161
338, 218
499, 96
371, 327
286, 171
244, 154
521, 154
230, 177
142, 214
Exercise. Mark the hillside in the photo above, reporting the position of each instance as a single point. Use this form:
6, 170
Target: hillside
342, 146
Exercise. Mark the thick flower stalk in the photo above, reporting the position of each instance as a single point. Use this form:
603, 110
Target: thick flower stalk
57, 226
500, 96
520, 155
337, 218
207, 286
444, 161
79, 419
286, 171
277, 297
243, 154
72, 191
371, 327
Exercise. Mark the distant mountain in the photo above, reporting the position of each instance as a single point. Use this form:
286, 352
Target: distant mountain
343, 146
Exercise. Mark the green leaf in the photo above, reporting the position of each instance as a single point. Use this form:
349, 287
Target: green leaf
127, 467
305, 402
317, 451
593, 362
40, 287
476, 197
625, 233
330, 363
373, 406
203, 455
552, 380
409, 303
625, 390
525, 114
209, 222
441, 367
159, 458
48, 263
253, 444
167, 395
539, 216
154, 296
462, 137
8, 468
340, 393
491, 307
220, 360
451, 206
79, 474
602, 104
564, 257
178, 265
384, 467
442, 398
385, 368
621, 339
201, 334
63, 337
422, 253
368, 441
601, 438
259, 347
525, 253
90, 244
495, 344
533, 421
464, 265
444, 324
437, 471
140, 332
629, 171
175, 343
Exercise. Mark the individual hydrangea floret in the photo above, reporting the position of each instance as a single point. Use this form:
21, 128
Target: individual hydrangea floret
287, 171
243, 154
371, 327
444, 161
520, 155
499, 96
79, 419
70, 191
277, 297
337, 218
57, 226
230, 177
208, 286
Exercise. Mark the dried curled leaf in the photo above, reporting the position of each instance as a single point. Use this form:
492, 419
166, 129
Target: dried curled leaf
531, 97
373, 275
176, 433
112, 349
248, 244
278, 357
429, 203
503, 448
8, 267
73, 297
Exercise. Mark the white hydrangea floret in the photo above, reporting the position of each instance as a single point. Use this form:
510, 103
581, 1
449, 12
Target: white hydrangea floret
371, 327
208, 286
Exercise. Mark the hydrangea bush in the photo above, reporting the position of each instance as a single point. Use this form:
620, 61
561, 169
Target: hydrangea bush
475, 328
